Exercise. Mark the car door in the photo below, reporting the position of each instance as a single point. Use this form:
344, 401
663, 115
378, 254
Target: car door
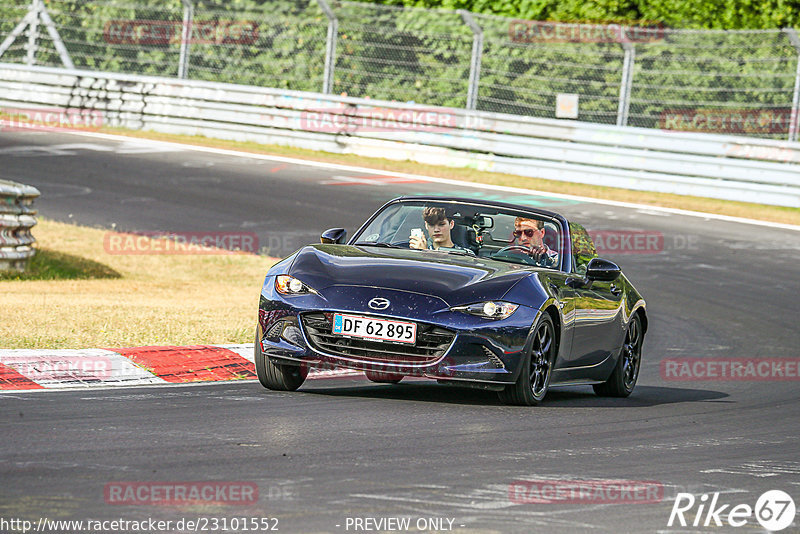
596, 307
597, 323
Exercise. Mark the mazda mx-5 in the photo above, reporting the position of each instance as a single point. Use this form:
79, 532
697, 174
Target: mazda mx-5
474, 293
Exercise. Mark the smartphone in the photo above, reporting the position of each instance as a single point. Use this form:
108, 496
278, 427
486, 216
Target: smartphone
417, 232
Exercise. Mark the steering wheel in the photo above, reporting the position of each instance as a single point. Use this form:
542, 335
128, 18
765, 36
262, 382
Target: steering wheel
514, 248
523, 251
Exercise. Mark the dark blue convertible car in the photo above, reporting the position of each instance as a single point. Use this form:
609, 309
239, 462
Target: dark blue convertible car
474, 293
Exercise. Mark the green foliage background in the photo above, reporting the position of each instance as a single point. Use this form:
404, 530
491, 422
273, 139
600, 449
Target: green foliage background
700, 14
391, 52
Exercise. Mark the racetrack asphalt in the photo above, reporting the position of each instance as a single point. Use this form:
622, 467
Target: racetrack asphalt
344, 448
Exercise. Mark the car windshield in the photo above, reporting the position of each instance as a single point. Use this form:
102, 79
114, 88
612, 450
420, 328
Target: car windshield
514, 236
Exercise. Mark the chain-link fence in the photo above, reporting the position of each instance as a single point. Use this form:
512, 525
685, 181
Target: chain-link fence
738, 82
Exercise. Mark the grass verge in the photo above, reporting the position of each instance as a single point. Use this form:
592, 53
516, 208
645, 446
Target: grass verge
76, 295
708, 205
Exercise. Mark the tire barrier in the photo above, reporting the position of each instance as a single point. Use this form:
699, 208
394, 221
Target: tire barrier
17, 217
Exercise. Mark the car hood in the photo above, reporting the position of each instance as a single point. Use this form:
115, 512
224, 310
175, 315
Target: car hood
454, 278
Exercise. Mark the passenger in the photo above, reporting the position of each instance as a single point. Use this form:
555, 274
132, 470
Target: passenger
529, 234
439, 225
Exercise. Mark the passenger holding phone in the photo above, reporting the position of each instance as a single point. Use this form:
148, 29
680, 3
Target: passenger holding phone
438, 224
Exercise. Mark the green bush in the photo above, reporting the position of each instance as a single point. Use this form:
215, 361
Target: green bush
705, 14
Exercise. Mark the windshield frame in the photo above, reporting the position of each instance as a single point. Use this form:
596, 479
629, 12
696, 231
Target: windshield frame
565, 259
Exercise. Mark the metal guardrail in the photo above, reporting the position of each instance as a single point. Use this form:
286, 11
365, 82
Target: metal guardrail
17, 217
715, 166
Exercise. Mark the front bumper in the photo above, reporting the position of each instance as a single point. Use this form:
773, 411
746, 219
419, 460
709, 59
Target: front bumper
482, 353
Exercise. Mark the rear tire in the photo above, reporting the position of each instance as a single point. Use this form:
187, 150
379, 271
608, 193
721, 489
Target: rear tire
626, 372
534, 378
383, 378
275, 376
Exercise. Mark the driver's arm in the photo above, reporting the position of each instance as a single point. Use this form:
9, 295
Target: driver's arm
551, 258
544, 255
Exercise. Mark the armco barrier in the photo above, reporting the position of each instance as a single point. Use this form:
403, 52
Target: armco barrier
709, 165
17, 217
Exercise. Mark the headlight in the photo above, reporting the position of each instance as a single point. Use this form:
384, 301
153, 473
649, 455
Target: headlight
288, 285
489, 310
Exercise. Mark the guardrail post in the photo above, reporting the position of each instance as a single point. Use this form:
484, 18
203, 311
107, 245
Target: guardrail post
794, 120
625, 84
186, 37
33, 33
330, 49
475, 61
17, 217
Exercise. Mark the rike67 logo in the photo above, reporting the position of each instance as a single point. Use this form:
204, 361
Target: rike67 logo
774, 510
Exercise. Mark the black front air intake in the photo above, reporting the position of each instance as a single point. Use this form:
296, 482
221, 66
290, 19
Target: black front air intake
432, 342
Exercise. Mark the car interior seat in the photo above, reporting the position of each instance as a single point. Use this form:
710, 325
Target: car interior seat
465, 237
551, 237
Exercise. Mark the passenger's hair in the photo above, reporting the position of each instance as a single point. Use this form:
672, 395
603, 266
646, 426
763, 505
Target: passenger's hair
519, 220
434, 216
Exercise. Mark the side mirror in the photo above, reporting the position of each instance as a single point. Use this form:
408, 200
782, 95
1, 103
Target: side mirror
333, 236
602, 270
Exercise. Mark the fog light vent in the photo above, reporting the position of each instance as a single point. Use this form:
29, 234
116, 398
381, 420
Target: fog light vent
493, 359
274, 330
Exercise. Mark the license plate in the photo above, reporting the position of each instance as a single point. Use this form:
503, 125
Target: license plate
377, 329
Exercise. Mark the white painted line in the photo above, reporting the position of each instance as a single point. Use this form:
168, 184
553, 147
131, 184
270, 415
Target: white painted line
352, 168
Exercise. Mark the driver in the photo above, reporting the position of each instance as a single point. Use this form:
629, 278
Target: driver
438, 224
529, 234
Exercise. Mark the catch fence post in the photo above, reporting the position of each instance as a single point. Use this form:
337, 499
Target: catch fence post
625, 84
475, 58
330, 49
186, 38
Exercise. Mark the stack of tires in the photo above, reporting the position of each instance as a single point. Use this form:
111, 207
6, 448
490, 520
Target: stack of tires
17, 217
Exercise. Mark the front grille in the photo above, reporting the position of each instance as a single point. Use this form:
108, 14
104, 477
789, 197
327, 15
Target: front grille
432, 343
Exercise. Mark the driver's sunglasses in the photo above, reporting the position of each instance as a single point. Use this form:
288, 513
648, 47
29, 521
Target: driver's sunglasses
528, 232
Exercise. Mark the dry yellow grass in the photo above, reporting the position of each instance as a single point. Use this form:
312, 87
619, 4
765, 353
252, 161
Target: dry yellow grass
155, 300
707, 205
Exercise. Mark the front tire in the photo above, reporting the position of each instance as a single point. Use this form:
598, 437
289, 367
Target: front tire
275, 376
626, 372
534, 379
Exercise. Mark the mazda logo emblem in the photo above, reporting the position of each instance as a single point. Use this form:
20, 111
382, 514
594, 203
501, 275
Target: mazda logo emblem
379, 303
